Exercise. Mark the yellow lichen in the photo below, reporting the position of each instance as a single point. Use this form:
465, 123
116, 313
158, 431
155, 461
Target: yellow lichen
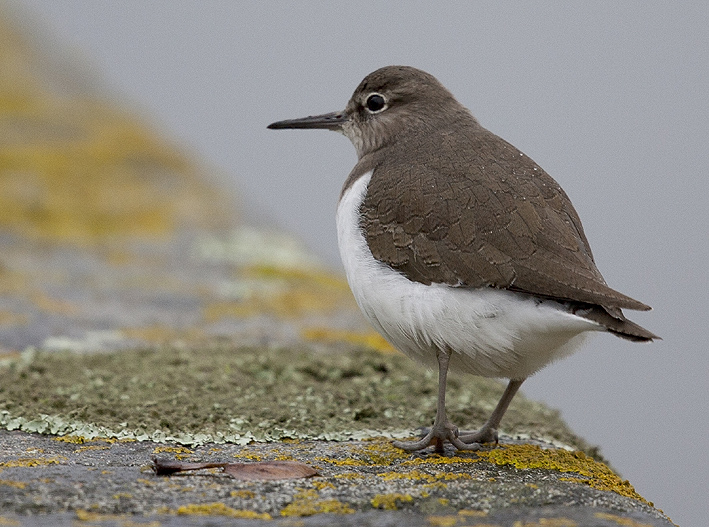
219, 509
75, 440
126, 495
547, 522
439, 460
415, 475
248, 455
391, 501
320, 485
92, 447
33, 462
172, 450
80, 440
15, 484
308, 507
595, 474
349, 475
442, 521
9, 522
308, 494
418, 475
349, 462
121, 519
369, 339
10, 318
438, 485
244, 494
472, 513
625, 522
284, 292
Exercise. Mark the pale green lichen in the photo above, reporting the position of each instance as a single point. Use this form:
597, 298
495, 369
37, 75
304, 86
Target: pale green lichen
192, 397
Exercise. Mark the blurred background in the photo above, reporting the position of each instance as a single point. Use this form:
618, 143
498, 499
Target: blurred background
611, 98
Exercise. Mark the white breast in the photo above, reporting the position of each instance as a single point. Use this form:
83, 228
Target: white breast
492, 332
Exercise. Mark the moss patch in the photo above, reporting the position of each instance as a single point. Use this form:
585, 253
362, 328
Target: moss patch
226, 393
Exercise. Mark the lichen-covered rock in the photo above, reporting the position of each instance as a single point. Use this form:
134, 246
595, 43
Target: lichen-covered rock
112, 237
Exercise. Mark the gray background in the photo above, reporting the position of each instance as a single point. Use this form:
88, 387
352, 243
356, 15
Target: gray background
611, 98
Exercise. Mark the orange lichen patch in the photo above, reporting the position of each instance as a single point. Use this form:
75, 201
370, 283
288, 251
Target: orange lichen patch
594, 473
219, 509
391, 501
33, 462
369, 339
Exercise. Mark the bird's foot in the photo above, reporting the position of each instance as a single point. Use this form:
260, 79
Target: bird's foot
439, 433
484, 435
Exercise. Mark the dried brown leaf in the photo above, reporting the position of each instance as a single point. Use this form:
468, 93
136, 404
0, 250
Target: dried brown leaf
270, 470
262, 470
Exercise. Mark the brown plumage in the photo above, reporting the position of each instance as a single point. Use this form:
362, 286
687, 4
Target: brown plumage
475, 211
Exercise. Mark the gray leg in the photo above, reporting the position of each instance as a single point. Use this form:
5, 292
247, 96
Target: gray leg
488, 433
442, 429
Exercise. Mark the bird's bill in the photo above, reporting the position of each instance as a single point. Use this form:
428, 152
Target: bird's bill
326, 121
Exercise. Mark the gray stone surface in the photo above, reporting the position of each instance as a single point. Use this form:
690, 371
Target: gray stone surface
99, 480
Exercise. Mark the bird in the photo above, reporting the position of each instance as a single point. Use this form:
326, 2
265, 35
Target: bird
460, 250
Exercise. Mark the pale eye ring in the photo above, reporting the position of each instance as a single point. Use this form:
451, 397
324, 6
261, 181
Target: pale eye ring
375, 103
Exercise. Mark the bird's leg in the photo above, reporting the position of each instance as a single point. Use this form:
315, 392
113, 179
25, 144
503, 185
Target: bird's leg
488, 432
442, 429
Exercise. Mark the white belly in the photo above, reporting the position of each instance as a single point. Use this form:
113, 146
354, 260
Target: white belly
492, 332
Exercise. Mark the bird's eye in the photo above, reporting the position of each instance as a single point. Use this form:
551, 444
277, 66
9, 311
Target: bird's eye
375, 103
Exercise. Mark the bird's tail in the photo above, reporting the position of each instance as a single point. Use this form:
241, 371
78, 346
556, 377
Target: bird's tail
615, 322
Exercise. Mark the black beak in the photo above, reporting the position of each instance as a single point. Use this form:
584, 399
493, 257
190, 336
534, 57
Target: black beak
327, 121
